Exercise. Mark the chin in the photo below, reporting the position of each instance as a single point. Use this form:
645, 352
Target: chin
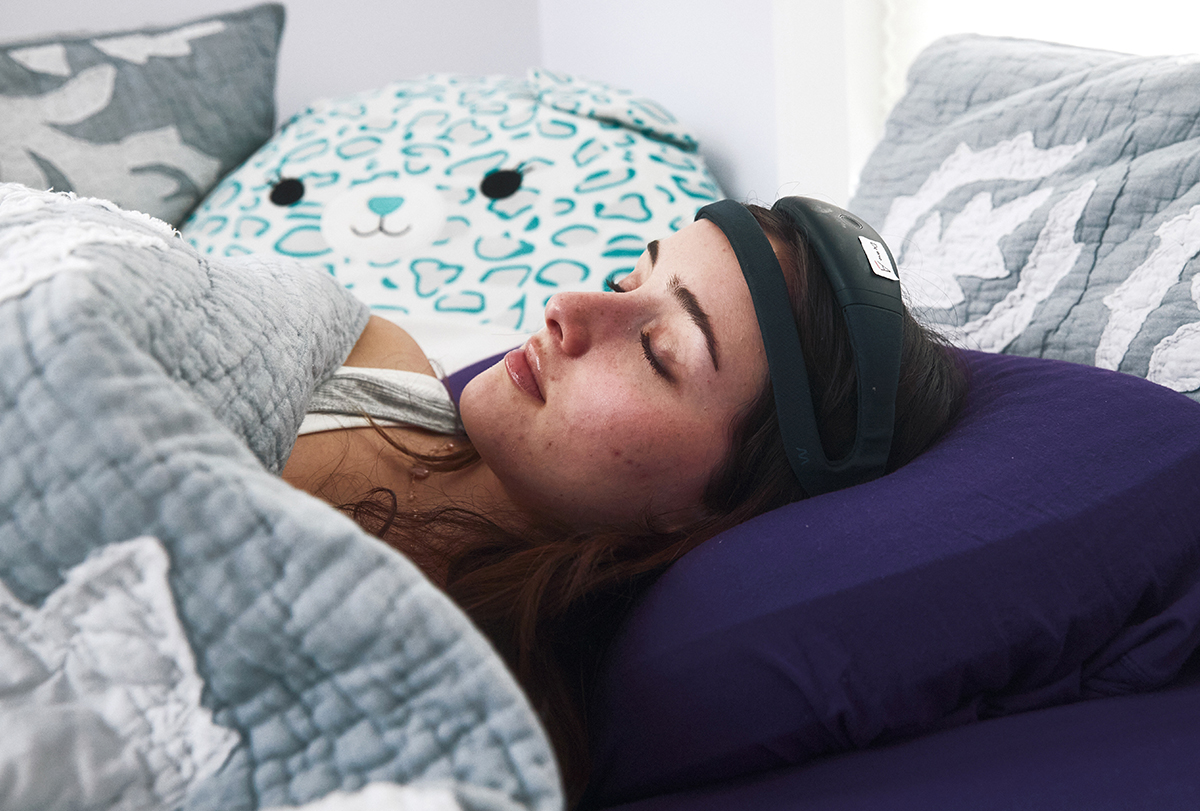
490, 414
478, 394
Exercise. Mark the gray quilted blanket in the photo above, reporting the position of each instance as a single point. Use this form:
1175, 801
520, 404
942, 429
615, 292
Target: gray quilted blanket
1045, 200
178, 627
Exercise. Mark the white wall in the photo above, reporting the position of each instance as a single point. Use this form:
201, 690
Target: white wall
707, 61
828, 57
784, 95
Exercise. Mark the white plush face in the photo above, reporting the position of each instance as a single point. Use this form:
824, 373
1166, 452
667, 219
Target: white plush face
382, 220
471, 200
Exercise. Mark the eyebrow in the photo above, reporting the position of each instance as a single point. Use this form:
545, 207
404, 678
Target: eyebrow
698, 316
690, 305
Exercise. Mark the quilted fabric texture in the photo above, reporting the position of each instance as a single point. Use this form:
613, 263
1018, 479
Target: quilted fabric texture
459, 205
146, 391
150, 119
102, 670
1043, 200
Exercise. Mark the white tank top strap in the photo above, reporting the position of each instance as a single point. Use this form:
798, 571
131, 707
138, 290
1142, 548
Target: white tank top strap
389, 396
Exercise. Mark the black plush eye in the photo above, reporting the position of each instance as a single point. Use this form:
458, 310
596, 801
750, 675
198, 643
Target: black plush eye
287, 191
501, 183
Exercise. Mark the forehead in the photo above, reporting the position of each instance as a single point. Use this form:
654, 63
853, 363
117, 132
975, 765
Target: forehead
705, 263
703, 259
706, 240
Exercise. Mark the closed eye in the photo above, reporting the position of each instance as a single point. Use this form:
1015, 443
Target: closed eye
652, 359
647, 346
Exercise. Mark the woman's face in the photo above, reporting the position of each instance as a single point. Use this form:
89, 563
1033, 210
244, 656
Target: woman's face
621, 407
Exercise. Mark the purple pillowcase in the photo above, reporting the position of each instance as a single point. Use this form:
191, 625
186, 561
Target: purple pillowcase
458, 381
1047, 549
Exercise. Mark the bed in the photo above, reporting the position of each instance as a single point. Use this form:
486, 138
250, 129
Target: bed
1010, 621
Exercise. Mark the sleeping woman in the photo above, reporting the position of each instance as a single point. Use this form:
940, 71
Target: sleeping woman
636, 424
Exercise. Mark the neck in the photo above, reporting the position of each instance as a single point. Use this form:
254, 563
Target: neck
431, 539
344, 467
475, 488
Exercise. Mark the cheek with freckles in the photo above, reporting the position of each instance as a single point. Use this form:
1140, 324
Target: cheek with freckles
609, 455
637, 460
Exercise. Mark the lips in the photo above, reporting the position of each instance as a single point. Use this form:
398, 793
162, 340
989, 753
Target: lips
520, 364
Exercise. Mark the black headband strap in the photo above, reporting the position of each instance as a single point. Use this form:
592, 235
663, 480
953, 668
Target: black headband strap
785, 360
862, 273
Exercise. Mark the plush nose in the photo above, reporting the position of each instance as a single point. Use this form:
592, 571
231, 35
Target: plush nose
384, 206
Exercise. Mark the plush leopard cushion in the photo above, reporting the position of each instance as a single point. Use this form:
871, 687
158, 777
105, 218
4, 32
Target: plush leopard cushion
464, 201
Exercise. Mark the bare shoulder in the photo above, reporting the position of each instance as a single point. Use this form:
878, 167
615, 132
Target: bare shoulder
386, 345
342, 465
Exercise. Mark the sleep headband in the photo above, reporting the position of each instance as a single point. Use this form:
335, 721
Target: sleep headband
862, 272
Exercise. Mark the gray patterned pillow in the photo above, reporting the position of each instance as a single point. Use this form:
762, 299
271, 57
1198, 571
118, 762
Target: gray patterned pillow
1045, 200
150, 119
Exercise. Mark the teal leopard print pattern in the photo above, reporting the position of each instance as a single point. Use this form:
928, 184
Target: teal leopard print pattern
472, 199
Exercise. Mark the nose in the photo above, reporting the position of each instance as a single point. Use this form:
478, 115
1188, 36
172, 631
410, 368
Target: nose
581, 321
384, 206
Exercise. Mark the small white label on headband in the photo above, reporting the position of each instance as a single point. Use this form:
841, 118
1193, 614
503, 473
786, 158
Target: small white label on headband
878, 259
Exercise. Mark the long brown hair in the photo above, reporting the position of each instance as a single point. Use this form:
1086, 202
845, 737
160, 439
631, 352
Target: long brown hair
550, 597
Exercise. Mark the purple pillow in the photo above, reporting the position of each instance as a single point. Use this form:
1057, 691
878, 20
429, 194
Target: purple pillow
1046, 550
455, 383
